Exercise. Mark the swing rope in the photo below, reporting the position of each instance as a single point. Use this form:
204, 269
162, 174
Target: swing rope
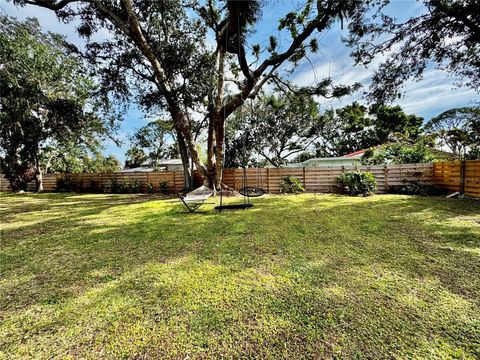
246, 191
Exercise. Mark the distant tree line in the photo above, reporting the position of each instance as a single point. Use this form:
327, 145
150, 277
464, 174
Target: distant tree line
284, 127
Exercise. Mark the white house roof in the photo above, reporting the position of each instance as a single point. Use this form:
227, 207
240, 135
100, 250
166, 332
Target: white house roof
138, 169
163, 162
323, 159
326, 159
170, 162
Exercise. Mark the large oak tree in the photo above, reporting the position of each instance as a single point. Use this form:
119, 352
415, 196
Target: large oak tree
164, 45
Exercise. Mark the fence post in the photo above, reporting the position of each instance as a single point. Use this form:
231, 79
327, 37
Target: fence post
462, 176
385, 176
433, 173
234, 179
175, 182
268, 180
304, 179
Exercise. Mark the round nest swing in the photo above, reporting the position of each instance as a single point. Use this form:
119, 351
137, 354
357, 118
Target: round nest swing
250, 191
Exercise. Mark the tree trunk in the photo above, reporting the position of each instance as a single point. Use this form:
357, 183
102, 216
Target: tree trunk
182, 127
219, 143
39, 180
210, 154
38, 172
187, 165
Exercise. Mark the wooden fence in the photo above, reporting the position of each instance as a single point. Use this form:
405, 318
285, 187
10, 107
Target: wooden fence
314, 179
323, 179
104, 181
462, 176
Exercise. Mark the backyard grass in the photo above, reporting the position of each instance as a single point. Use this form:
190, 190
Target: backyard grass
308, 276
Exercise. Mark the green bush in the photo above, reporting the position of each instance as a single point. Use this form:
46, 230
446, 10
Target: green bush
64, 184
78, 186
114, 186
150, 189
94, 187
135, 187
163, 186
357, 183
415, 188
291, 185
124, 187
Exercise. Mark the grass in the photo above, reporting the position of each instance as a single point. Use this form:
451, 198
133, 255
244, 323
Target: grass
105, 276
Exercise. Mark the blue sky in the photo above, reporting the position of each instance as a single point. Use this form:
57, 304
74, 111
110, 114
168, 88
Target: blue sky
428, 97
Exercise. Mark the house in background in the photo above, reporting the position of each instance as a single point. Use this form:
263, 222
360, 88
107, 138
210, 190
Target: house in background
355, 158
161, 165
351, 159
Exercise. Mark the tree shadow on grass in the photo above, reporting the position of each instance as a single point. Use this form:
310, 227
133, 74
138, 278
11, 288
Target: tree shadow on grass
322, 276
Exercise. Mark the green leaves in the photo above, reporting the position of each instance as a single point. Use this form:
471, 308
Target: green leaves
458, 129
398, 153
357, 183
46, 99
273, 42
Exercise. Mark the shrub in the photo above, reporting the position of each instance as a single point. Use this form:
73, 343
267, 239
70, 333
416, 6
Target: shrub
114, 186
124, 187
415, 188
64, 184
163, 186
95, 187
291, 185
150, 189
135, 187
357, 183
78, 186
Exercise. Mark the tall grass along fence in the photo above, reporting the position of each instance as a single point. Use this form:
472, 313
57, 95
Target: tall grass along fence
462, 176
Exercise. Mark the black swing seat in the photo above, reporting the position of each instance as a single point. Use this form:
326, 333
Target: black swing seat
250, 191
233, 206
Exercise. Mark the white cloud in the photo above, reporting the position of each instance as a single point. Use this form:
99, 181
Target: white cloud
433, 94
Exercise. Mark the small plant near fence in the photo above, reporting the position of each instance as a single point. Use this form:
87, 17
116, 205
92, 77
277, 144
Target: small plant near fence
150, 188
357, 183
291, 185
135, 187
124, 187
64, 184
95, 187
78, 186
163, 186
114, 186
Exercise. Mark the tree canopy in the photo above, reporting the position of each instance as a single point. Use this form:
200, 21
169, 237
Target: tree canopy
164, 47
446, 34
46, 100
398, 153
356, 127
152, 142
457, 129
276, 127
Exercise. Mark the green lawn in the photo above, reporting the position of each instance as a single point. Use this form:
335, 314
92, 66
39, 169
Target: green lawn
105, 276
